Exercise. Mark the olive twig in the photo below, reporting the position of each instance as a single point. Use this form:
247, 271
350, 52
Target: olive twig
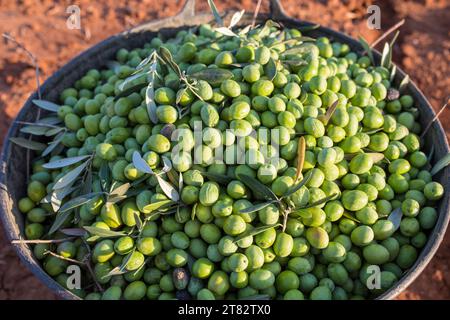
38, 84
255, 15
87, 260
285, 219
388, 32
41, 241
38, 124
434, 119
64, 258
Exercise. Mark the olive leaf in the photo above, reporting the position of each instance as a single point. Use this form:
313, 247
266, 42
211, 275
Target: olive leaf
192, 88
256, 207
46, 105
301, 151
57, 196
386, 58
376, 156
308, 28
302, 213
130, 90
298, 186
393, 73
293, 41
214, 76
396, 217
237, 16
441, 164
225, 31
180, 94
245, 30
70, 177
303, 48
54, 144
350, 217
135, 191
239, 65
104, 176
156, 205
320, 201
219, 178
431, 153
403, 84
168, 129
178, 216
28, 144
60, 163
168, 189
138, 182
57, 150
325, 118
79, 201
144, 62
350, 156
215, 12
150, 92
118, 194
255, 231
140, 164
130, 79
180, 182
295, 62
51, 121
53, 131
370, 132
103, 233
366, 48
113, 65
265, 30
194, 211
120, 190
167, 164
173, 177
121, 269
61, 218
166, 56
258, 188
394, 38
138, 221
86, 186
74, 232
35, 130
165, 212
138, 270
270, 69
279, 35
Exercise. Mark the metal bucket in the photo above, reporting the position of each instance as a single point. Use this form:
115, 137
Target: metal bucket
13, 158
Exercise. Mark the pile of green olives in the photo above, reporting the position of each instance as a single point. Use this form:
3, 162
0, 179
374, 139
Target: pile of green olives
208, 247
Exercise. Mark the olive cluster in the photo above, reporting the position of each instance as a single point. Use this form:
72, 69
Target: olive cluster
209, 247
